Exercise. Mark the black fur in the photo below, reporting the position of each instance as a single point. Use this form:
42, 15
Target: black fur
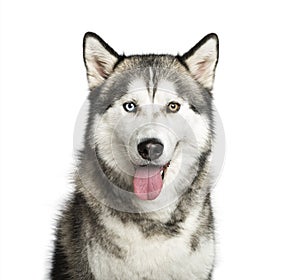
70, 259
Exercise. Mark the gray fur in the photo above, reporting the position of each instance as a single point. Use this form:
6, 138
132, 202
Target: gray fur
91, 236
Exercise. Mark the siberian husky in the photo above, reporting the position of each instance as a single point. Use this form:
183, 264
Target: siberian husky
141, 206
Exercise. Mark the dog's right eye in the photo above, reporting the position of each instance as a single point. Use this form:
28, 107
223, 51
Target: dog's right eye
129, 107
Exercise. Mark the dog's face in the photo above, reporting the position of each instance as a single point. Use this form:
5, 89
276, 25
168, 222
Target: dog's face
151, 115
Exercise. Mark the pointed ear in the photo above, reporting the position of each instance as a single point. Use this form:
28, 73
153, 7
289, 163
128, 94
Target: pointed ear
99, 59
202, 60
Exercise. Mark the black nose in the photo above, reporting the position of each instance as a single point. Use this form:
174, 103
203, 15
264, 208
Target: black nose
150, 149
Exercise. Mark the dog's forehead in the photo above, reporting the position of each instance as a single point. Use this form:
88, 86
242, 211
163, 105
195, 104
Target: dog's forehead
151, 79
151, 90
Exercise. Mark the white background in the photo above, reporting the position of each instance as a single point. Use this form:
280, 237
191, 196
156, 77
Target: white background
43, 86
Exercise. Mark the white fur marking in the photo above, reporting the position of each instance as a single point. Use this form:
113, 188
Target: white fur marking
156, 257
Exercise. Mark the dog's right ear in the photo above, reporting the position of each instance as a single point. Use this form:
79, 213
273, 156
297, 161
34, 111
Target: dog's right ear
99, 59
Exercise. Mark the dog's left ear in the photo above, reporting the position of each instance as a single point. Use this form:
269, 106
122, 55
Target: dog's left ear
202, 60
99, 59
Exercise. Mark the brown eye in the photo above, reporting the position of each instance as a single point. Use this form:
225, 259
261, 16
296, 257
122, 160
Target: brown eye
173, 107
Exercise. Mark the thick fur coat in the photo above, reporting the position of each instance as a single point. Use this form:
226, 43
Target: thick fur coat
113, 227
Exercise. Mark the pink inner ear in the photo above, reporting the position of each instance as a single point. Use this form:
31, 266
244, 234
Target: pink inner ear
100, 67
201, 68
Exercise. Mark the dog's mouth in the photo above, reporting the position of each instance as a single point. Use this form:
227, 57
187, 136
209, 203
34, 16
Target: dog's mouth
148, 181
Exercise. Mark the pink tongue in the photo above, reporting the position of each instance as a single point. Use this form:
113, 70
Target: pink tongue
147, 182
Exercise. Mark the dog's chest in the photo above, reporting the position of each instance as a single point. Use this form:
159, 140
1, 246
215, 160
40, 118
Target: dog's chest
152, 258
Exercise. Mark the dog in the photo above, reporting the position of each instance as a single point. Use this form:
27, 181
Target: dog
141, 206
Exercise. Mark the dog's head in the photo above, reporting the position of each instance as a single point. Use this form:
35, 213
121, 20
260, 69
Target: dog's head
151, 117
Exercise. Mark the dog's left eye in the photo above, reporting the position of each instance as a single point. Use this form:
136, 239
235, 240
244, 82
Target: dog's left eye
173, 107
129, 107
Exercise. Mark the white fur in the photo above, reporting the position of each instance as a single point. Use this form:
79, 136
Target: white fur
117, 134
151, 84
155, 258
202, 63
95, 52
